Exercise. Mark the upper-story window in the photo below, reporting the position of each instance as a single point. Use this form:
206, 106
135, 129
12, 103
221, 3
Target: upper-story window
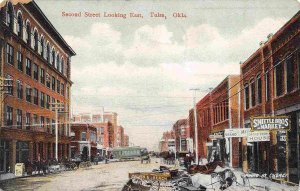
9, 116
48, 80
20, 26
246, 96
42, 95
28, 66
252, 92
9, 54
62, 89
10, 16
53, 58
48, 53
19, 89
28, 33
10, 86
35, 96
291, 83
28, 94
42, 76
36, 40
27, 121
20, 61
57, 86
35, 72
53, 83
57, 66
19, 119
83, 136
267, 83
258, 89
42, 47
279, 77
62, 66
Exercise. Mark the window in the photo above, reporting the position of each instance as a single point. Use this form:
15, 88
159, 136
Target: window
58, 86
9, 84
279, 79
9, 54
42, 95
290, 77
20, 61
53, 126
36, 41
10, 16
28, 34
298, 66
246, 96
28, 94
48, 102
9, 116
35, 120
62, 89
252, 91
42, 122
42, 76
258, 89
57, 66
48, 53
62, 66
28, 66
267, 81
20, 26
27, 121
35, 96
48, 83
19, 119
53, 83
83, 136
53, 58
48, 125
19, 89
35, 72
42, 48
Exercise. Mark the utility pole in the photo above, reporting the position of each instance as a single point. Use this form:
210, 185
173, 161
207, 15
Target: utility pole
56, 106
195, 123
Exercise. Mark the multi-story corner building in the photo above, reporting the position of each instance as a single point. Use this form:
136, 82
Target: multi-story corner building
36, 59
167, 141
120, 137
112, 117
84, 141
271, 87
217, 111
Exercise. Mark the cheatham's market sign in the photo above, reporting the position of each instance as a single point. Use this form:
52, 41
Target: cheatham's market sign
275, 123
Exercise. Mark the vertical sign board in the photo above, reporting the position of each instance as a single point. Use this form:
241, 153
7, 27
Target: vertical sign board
258, 136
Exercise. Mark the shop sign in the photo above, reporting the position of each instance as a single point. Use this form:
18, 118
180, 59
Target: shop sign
258, 136
270, 123
209, 144
217, 135
282, 138
228, 133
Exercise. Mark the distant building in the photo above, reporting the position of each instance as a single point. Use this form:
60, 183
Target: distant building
167, 141
84, 141
126, 141
181, 130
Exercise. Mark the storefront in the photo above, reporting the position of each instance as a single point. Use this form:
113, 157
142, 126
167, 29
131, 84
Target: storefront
218, 149
4, 155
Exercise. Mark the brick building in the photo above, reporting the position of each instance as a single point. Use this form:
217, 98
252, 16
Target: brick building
84, 140
271, 87
120, 137
36, 59
181, 130
167, 141
126, 141
113, 118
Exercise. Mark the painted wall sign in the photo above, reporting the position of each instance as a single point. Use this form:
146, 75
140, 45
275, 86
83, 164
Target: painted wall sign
270, 123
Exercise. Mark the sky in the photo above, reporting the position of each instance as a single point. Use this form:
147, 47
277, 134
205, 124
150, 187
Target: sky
144, 68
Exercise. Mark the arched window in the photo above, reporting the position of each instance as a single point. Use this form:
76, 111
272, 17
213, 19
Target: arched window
258, 89
48, 53
42, 47
28, 33
10, 16
246, 96
62, 66
36, 41
53, 57
20, 25
252, 92
57, 66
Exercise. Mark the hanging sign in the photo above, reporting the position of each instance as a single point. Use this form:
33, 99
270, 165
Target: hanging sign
217, 135
276, 123
258, 136
228, 133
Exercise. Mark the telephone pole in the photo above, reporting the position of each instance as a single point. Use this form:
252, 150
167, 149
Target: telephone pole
195, 124
56, 106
